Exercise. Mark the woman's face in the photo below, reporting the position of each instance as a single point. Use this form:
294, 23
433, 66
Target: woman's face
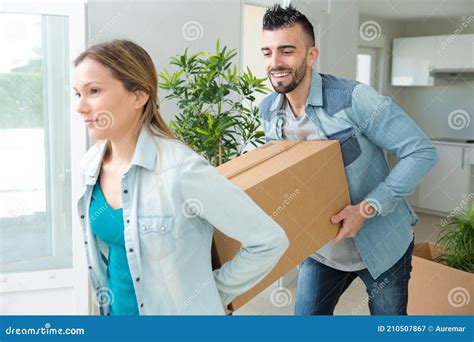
107, 108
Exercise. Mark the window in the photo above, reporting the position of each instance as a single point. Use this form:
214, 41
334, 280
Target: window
35, 189
366, 66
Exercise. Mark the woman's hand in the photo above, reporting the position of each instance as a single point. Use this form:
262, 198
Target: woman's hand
227, 311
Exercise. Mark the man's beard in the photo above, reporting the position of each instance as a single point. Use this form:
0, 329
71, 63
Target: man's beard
297, 76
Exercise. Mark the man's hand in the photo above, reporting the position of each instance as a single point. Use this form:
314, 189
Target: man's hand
352, 217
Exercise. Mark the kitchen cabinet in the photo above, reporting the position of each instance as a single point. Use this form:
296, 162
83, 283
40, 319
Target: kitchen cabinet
454, 52
448, 183
415, 60
412, 61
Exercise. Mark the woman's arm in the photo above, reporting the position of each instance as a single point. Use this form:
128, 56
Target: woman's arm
233, 212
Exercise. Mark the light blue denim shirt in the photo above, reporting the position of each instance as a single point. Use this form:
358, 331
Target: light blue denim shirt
172, 198
367, 124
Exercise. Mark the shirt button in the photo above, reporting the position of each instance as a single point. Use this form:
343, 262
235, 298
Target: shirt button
138, 279
90, 267
162, 228
141, 305
82, 216
131, 250
125, 191
128, 221
85, 242
143, 228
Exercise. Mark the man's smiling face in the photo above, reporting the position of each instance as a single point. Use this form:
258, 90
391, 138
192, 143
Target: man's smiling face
286, 57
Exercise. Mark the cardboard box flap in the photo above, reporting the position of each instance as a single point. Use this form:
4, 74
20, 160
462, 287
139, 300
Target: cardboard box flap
254, 158
426, 250
251, 164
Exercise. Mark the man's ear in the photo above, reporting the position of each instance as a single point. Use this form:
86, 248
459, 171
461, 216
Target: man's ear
313, 54
141, 98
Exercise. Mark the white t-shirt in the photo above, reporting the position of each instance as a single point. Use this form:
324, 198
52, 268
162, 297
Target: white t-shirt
342, 255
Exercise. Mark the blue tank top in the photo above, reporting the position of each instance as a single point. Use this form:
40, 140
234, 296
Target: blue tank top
107, 225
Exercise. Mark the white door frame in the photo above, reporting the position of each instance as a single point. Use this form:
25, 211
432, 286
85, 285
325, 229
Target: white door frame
20, 286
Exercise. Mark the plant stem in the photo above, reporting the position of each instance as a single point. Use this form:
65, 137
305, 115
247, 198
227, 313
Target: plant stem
220, 150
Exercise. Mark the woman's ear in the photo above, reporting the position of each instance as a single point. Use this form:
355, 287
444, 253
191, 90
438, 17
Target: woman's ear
141, 98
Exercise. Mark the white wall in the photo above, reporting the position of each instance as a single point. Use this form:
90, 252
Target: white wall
160, 27
252, 43
389, 29
339, 32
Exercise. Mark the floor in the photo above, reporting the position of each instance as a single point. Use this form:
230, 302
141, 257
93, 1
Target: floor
275, 301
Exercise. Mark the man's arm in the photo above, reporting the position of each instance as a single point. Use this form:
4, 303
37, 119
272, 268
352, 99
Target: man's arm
390, 128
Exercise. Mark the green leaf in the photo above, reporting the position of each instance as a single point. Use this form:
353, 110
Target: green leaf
215, 105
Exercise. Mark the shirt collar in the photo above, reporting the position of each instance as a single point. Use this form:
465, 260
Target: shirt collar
144, 156
145, 152
315, 97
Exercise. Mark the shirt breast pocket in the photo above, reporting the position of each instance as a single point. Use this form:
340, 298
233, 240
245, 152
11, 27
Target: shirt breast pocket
273, 128
156, 235
350, 146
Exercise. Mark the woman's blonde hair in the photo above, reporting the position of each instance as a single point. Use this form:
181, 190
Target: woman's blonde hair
132, 66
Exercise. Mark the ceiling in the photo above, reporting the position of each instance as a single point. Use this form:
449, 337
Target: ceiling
416, 9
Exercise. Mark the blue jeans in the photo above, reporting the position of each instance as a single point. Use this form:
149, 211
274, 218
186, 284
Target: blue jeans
321, 286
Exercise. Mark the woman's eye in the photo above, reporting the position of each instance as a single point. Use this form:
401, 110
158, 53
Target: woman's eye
77, 95
95, 91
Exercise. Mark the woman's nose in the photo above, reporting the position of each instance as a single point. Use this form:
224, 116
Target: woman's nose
82, 107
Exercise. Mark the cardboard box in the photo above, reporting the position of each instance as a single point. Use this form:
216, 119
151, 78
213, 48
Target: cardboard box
436, 289
300, 184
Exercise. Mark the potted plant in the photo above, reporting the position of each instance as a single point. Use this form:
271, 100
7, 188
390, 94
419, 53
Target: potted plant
442, 279
217, 115
456, 241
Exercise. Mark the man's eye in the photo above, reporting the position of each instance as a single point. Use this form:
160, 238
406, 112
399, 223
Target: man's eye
287, 52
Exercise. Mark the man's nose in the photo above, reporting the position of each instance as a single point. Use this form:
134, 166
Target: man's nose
275, 62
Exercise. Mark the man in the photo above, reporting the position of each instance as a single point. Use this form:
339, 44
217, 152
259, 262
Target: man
375, 242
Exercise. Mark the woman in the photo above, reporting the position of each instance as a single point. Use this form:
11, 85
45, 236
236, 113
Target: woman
150, 202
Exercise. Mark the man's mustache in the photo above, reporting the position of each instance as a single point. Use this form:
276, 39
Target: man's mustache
280, 69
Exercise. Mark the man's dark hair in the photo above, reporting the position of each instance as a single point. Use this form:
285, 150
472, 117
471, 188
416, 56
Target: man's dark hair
278, 17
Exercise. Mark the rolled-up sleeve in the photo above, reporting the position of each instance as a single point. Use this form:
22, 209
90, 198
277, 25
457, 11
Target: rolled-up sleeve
234, 213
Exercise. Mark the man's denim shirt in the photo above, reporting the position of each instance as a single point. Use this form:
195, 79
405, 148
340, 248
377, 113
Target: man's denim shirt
367, 124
